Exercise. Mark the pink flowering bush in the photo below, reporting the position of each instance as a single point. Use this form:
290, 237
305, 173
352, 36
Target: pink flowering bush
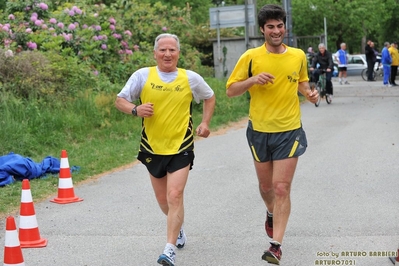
97, 36
31, 45
43, 6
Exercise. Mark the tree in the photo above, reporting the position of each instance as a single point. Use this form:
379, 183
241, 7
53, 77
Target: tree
350, 21
2, 4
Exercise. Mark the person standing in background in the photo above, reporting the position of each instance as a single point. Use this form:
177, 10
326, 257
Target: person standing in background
393, 51
342, 58
386, 61
310, 54
371, 59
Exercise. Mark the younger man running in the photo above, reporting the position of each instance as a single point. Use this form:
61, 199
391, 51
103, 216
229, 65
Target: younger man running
273, 74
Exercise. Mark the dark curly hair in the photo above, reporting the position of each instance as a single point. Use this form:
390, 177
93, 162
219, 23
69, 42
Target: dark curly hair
271, 11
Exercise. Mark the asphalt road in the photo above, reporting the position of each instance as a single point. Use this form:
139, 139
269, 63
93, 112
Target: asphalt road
345, 198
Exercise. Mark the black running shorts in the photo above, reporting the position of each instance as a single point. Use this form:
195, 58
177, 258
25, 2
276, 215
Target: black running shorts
159, 165
276, 146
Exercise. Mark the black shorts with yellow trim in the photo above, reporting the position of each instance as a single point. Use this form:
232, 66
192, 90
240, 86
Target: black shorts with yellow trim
276, 146
159, 165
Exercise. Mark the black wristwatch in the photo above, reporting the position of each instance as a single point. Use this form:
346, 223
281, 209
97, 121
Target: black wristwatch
134, 111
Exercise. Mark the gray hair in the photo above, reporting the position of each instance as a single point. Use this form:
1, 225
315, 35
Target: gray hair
166, 35
321, 45
386, 44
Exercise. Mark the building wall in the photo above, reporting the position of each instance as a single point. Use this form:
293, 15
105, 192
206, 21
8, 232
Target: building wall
229, 52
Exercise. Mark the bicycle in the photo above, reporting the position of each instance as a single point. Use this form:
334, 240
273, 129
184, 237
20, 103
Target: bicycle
378, 72
320, 86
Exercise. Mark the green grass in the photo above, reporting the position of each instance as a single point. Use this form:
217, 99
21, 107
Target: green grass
97, 137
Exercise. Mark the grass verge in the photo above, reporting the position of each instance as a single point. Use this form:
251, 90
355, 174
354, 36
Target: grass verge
97, 137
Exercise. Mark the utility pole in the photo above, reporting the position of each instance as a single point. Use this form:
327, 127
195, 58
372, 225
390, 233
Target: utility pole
325, 32
253, 30
288, 25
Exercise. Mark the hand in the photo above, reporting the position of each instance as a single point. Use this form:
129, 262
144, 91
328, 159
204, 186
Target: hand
145, 110
264, 78
311, 69
312, 95
203, 130
328, 70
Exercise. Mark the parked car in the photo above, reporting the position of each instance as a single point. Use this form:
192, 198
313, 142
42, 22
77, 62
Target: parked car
356, 63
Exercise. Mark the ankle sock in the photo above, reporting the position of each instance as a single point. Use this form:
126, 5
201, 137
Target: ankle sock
276, 243
169, 246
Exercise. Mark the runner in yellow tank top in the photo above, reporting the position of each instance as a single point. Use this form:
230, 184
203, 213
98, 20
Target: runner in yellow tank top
167, 141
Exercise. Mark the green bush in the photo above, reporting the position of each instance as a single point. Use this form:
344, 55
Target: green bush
109, 40
44, 74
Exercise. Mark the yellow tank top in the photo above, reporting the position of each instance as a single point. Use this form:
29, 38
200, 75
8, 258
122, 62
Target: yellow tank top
170, 130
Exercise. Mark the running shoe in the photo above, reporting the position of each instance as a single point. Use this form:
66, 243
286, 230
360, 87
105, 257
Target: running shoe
273, 254
181, 239
167, 258
269, 225
346, 82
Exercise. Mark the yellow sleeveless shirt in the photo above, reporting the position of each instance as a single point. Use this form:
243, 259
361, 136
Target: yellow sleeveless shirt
170, 130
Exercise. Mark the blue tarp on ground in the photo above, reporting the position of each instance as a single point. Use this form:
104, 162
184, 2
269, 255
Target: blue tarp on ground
16, 167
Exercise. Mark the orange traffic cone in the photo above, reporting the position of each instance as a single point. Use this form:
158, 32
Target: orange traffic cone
12, 248
66, 193
29, 235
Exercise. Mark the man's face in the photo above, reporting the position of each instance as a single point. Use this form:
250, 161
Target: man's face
167, 54
322, 49
274, 32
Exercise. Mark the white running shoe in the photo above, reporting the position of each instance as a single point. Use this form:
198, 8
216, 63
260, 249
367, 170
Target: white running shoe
181, 239
168, 257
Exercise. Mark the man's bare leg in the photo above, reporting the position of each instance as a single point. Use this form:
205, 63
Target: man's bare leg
275, 179
169, 192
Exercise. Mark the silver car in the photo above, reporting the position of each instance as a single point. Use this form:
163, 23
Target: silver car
356, 64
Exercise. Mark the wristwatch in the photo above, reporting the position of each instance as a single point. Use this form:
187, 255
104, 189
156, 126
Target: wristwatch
134, 111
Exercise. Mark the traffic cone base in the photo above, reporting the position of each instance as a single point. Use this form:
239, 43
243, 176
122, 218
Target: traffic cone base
29, 230
61, 200
12, 249
29, 235
66, 192
41, 243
